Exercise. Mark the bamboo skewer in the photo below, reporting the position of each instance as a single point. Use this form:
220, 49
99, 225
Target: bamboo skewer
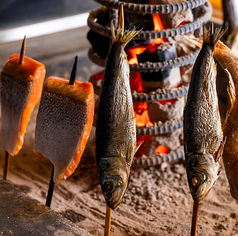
108, 221
74, 71
8, 156
50, 190
195, 218
23, 50
6, 166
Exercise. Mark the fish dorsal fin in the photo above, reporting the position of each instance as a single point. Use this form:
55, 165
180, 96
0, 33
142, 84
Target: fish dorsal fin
220, 150
121, 35
210, 37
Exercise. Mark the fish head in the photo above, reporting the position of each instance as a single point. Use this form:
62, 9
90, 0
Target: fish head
113, 175
202, 173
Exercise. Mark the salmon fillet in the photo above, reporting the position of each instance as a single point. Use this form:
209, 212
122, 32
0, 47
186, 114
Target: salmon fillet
63, 125
20, 90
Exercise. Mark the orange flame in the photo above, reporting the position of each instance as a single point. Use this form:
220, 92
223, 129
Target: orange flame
141, 108
133, 52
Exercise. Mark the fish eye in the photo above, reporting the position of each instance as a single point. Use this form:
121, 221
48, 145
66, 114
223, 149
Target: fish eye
195, 181
108, 186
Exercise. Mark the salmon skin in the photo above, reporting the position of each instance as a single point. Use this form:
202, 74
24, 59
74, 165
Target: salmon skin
63, 124
203, 136
21, 87
116, 130
229, 61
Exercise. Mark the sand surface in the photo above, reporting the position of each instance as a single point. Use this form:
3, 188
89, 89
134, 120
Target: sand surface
158, 201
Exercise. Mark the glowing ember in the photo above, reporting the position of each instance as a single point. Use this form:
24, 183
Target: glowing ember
143, 119
133, 52
162, 149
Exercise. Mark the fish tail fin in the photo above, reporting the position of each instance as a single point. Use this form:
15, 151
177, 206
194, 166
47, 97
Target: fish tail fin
210, 37
121, 36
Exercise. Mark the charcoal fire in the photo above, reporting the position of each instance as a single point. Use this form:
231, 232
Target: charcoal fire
159, 61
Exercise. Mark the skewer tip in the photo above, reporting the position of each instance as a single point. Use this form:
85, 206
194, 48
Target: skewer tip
74, 71
23, 50
6, 165
50, 190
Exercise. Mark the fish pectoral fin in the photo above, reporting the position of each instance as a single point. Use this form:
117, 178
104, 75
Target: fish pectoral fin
137, 148
220, 150
129, 153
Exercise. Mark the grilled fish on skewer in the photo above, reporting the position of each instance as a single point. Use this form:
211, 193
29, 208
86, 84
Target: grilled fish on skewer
229, 61
21, 87
202, 125
64, 123
116, 130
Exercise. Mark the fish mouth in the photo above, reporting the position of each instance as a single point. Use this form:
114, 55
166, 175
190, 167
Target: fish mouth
113, 190
113, 199
201, 191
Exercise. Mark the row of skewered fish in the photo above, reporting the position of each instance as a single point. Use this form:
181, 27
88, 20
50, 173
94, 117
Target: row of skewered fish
66, 112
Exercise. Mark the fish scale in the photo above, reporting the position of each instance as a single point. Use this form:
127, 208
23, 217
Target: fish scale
14, 96
59, 118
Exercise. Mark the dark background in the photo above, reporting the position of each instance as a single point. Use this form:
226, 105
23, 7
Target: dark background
15, 13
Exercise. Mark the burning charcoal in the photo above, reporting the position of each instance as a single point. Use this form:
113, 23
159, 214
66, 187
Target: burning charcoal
139, 43
138, 21
176, 19
166, 78
100, 42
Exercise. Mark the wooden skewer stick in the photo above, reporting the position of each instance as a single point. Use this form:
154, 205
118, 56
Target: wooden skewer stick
121, 19
6, 166
195, 218
108, 221
50, 190
74, 71
23, 50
